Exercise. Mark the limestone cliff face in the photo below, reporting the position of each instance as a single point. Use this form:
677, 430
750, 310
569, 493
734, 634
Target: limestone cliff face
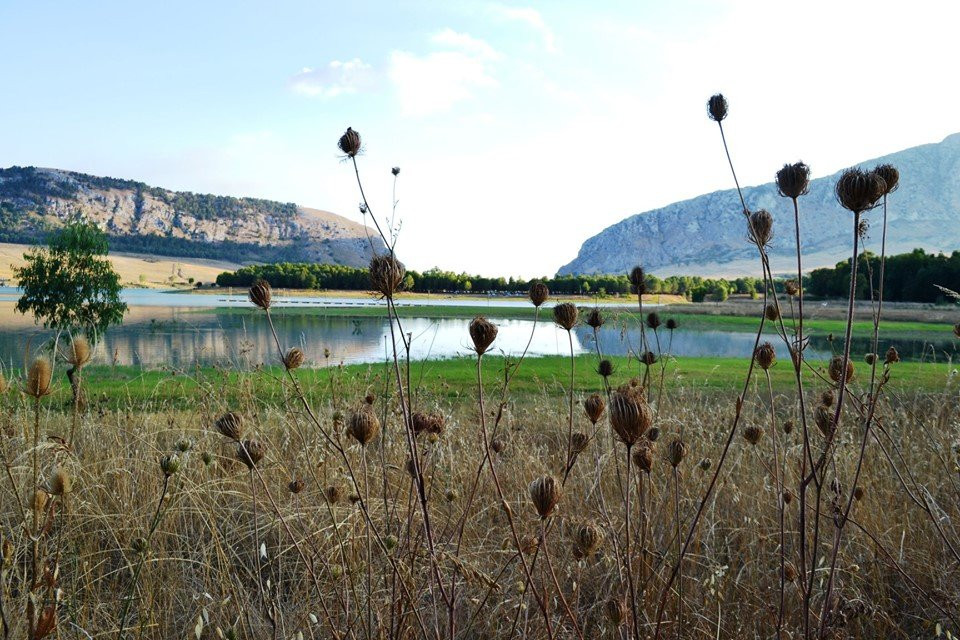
152, 220
707, 235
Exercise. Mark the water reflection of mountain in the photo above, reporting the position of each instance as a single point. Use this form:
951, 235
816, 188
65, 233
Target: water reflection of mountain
182, 337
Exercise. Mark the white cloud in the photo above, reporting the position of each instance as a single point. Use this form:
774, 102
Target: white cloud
337, 78
532, 18
433, 83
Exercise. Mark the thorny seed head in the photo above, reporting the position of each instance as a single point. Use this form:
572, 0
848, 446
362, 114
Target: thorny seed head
483, 333
653, 434
672, 324
140, 546
859, 190
386, 274
578, 442
498, 445
594, 406
859, 493
717, 107
643, 456
890, 175
78, 352
765, 356
791, 288
587, 539
566, 314
183, 445
545, 494
170, 464
230, 425
676, 452
395, 171
838, 365
823, 417
615, 611
793, 180
630, 416
370, 398
38, 378
332, 494
296, 486
349, 143
653, 320
605, 368
771, 312
789, 572
293, 358
705, 464
595, 319
638, 280
251, 452
761, 227
538, 293
827, 398
649, 358
870, 358
893, 356
752, 434
364, 425
788, 427
260, 294
59, 483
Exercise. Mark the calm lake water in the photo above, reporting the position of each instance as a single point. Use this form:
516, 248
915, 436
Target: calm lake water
178, 334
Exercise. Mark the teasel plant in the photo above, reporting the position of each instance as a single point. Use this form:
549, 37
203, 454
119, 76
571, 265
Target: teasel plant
38, 385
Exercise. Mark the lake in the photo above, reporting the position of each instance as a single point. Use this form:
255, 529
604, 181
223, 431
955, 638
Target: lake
180, 330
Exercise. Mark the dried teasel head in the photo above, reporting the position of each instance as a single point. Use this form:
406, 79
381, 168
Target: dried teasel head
260, 294
78, 352
386, 274
230, 425
170, 464
296, 486
841, 368
420, 421
752, 434
653, 320
676, 451
653, 434
717, 107
578, 442
395, 171
638, 280
643, 456
827, 398
705, 464
251, 452
538, 293
859, 493
761, 227
587, 539
789, 572
605, 368
771, 312
349, 143
893, 356
483, 333
364, 425
498, 445
615, 611
545, 494
672, 324
890, 175
40, 500
859, 190
649, 358
788, 427
39, 377
566, 314
793, 180
333, 494
595, 319
594, 406
293, 358
59, 483
630, 416
765, 356
823, 417
791, 288
870, 358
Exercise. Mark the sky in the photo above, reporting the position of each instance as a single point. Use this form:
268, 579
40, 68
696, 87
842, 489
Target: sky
521, 129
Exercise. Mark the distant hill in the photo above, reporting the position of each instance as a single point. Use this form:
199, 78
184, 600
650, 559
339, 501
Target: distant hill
707, 235
150, 220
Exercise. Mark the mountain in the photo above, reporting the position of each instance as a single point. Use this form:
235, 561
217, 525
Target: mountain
144, 219
707, 235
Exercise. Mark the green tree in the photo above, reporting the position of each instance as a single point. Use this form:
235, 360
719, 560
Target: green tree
70, 285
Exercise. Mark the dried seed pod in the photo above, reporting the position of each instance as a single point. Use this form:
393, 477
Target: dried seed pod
638, 280
653, 320
437, 424
787, 496
789, 572
230, 425
643, 456
630, 415
605, 368
793, 180
251, 452
765, 356
761, 227
705, 464
717, 107
594, 407
483, 333
870, 358
349, 143
788, 426
59, 483
595, 319
565, 314
672, 324
893, 356
859, 493
653, 434
78, 352
498, 445
890, 176
421, 422
38, 378
587, 539
170, 464
823, 417
451, 495
752, 434
370, 398
529, 544
859, 190
293, 358
260, 294
648, 358
615, 611
386, 274
545, 494
827, 398
364, 425
538, 293
676, 452
578, 442
40, 500
332, 494
791, 287
395, 171
771, 312
841, 369
296, 486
